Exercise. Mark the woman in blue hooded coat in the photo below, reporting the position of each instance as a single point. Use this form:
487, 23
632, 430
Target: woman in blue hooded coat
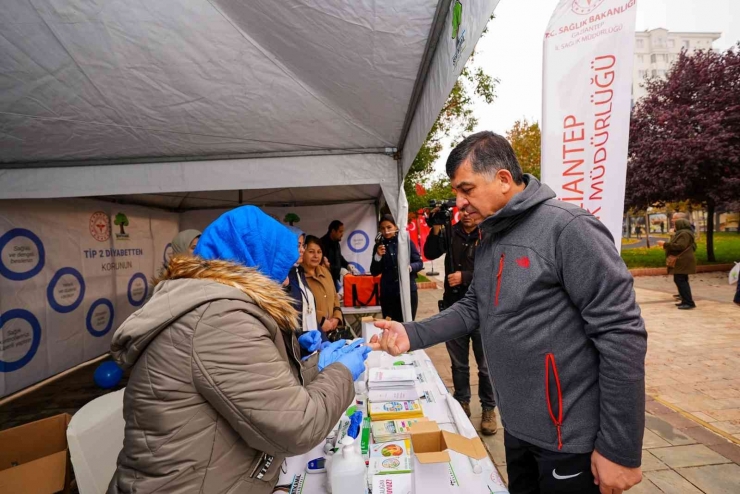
219, 394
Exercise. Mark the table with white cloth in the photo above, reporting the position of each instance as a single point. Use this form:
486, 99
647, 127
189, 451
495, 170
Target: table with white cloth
462, 473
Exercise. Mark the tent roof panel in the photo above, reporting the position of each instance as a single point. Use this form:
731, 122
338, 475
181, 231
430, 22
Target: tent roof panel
140, 79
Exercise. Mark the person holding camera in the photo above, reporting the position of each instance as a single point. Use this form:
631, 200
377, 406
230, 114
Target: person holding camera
385, 262
459, 245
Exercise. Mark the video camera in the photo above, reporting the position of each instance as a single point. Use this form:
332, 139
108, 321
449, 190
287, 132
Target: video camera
441, 217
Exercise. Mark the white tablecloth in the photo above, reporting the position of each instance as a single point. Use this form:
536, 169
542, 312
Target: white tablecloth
459, 477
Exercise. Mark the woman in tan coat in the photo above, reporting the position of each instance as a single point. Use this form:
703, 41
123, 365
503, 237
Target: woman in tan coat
328, 313
218, 395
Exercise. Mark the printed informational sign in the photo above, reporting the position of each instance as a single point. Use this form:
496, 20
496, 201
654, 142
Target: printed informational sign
359, 219
71, 271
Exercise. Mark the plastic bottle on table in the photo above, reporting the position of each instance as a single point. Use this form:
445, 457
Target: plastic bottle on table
348, 472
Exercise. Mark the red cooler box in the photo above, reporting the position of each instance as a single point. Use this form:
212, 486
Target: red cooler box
361, 290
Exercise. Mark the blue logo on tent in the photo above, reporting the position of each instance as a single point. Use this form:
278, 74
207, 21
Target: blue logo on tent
52, 287
358, 266
131, 300
22, 232
35, 341
88, 321
358, 241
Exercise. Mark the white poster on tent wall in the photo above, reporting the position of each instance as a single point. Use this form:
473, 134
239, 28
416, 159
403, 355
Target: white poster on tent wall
71, 271
359, 219
587, 80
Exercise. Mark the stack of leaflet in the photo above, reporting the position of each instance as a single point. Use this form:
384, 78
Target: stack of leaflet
393, 430
396, 384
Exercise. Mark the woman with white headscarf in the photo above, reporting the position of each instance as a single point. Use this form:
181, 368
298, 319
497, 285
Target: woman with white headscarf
185, 242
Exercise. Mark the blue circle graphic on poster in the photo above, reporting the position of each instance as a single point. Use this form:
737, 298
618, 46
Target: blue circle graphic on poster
22, 254
18, 327
137, 289
167, 254
99, 318
66, 290
358, 241
357, 265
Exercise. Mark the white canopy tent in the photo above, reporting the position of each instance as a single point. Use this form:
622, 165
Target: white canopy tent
185, 104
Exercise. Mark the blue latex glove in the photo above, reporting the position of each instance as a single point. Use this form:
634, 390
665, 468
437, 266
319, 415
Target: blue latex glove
310, 340
325, 344
354, 360
353, 345
331, 354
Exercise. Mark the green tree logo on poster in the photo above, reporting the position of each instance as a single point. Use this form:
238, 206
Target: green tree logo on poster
291, 218
122, 221
456, 18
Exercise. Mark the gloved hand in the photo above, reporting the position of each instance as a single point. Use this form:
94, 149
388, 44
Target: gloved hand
325, 344
353, 270
310, 340
331, 354
354, 360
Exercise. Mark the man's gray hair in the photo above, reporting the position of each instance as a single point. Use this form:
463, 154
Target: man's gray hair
488, 153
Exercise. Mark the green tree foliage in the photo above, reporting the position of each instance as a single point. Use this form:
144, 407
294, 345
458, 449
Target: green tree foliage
526, 139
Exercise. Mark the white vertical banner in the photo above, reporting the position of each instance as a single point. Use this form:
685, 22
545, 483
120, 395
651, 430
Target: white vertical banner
586, 93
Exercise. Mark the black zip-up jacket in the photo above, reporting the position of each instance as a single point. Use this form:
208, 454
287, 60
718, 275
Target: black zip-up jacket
462, 257
562, 332
333, 252
388, 267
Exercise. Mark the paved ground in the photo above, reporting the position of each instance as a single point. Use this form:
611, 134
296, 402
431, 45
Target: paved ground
693, 387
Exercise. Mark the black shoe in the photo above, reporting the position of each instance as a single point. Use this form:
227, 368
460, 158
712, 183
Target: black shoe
680, 303
686, 306
677, 297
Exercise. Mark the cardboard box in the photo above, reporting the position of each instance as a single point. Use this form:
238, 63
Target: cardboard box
34, 457
430, 444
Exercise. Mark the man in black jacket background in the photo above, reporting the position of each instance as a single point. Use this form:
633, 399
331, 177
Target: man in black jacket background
459, 274
333, 251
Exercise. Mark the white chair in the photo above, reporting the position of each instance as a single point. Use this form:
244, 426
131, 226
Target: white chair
95, 437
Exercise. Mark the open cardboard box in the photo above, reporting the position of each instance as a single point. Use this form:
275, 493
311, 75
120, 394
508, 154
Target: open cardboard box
430, 444
34, 457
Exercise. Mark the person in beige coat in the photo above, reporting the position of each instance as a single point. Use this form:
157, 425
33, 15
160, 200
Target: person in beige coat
218, 395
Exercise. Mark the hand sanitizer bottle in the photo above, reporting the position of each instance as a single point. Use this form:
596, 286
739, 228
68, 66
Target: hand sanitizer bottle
348, 472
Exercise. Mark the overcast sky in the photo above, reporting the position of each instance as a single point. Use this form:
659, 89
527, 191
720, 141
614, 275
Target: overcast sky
512, 49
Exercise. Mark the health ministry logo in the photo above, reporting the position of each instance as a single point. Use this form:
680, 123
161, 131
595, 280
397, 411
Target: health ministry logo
583, 7
99, 225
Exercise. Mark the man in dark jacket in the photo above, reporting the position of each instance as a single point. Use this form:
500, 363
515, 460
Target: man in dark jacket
333, 250
562, 332
459, 274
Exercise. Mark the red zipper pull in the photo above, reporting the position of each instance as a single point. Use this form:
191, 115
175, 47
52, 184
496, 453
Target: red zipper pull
498, 277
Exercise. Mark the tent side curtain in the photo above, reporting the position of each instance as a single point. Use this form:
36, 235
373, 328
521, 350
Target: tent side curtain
192, 176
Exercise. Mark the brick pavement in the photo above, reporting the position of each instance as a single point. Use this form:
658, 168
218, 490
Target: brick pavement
693, 388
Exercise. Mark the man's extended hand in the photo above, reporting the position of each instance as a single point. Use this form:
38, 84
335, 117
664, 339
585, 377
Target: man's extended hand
455, 279
394, 340
611, 477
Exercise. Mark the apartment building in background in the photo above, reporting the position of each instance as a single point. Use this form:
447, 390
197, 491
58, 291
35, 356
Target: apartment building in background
657, 49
